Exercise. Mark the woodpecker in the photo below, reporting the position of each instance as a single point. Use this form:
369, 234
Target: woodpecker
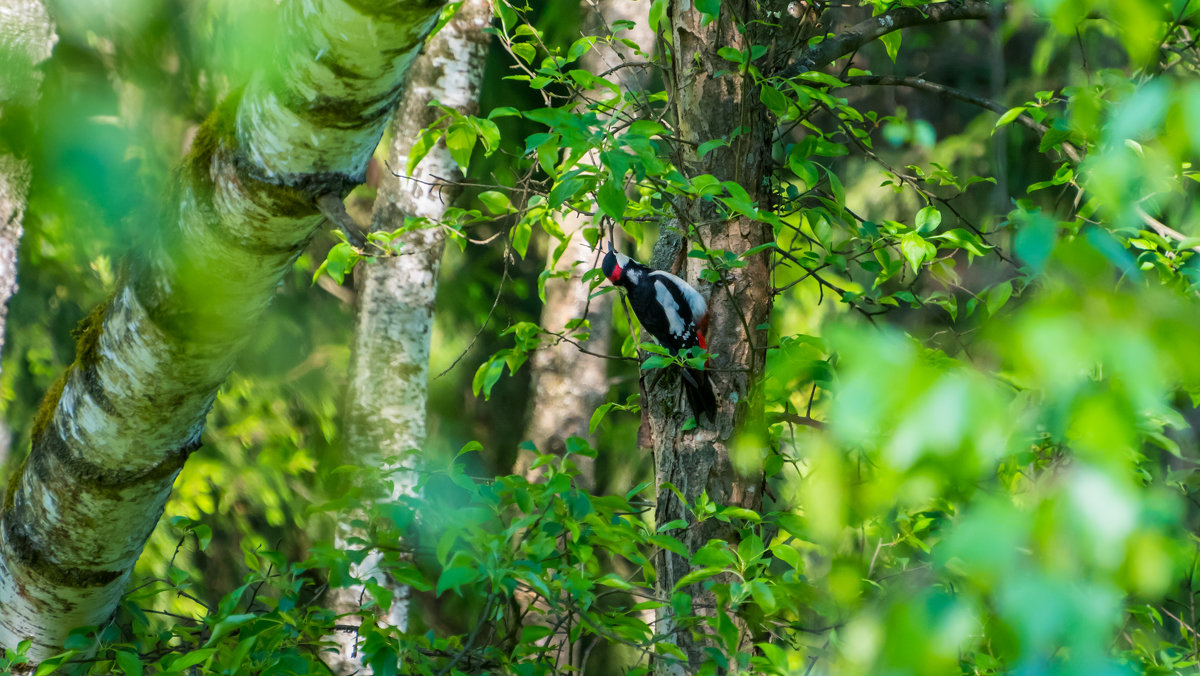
673, 312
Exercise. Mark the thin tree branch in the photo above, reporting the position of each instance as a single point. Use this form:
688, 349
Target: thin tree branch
334, 210
861, 33
1161, 228
784, 416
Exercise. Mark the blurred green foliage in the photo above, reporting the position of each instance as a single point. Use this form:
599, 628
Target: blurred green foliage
981, 385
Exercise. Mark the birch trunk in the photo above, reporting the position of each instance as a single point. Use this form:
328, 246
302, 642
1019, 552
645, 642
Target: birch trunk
389, 369
26, 35
115, 430
713, 101
569, 385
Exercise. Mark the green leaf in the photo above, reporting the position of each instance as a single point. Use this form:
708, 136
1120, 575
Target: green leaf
487, 375
469, 447
709, 146
928, 220
226, 626
422, 145
742, 513
836, 189
496, 202
699, 575
525, 51
580, 47
460, 141
710, 8
503, 111
192, 659
611, 199
774, 100
453, 578
49, 665
964, 239
655, 362
788, 555
130, 663
598, 416
822, 78
653, 348
338, 262
762, 595
997, 296
916, 250
521, 233
731, 54
658, 14
1009, 116
614, 581
564, 190
645, 129
891, 42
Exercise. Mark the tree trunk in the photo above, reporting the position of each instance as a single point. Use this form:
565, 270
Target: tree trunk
713, 100
567, 384
389, 370
116, 428
26, 33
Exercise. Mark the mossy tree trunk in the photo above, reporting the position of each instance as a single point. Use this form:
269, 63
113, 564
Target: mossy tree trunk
115, 430
715, 99
389, 369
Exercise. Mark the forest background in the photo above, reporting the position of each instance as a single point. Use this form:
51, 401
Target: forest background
949, 249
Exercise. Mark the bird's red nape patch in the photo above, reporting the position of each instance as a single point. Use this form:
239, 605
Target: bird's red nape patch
616, 274
701, 340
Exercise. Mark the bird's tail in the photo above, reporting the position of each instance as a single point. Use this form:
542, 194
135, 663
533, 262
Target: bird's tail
700, 394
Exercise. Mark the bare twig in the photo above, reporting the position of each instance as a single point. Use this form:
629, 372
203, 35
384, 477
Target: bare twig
807, 421
874, 28
486, 321
334, 210
1161, 228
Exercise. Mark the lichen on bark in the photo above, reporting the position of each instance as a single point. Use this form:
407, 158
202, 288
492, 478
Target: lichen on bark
113, 434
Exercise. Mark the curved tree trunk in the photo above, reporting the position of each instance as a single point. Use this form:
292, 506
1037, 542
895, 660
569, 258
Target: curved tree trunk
389, 369
115, 430
26, 33
712, 102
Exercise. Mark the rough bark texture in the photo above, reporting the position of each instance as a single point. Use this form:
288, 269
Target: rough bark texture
569, 385
113, 433
389, 370
712, 102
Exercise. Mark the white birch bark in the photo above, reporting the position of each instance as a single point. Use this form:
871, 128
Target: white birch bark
115, 430
389, 369
26, 33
